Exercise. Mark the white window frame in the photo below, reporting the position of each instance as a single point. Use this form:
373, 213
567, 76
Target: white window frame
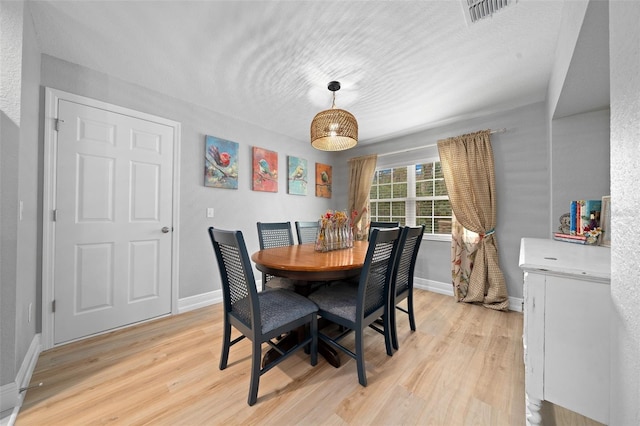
410, 200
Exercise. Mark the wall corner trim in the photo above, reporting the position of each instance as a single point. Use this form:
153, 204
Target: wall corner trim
10, 396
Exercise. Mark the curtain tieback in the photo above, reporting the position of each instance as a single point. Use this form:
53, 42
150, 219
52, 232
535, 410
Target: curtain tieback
488, 233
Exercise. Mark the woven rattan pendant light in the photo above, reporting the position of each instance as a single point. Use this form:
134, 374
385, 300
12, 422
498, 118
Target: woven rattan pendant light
334, 129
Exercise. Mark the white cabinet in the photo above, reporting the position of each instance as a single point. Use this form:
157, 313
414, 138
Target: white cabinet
567, 304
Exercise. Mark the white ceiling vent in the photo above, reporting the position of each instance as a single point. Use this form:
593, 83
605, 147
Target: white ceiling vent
474, 10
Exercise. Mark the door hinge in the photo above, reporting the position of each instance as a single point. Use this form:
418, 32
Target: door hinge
57, 125
54, 215
53, 306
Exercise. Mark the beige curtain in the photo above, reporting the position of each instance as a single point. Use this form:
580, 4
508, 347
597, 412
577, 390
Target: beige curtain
361, 170
468, 168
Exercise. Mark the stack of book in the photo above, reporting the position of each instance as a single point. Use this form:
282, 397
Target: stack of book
584, 214
576, 239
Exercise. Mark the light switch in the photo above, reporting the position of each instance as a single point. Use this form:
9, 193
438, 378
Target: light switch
209, 211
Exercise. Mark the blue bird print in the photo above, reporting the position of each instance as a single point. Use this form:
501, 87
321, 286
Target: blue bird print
265, 169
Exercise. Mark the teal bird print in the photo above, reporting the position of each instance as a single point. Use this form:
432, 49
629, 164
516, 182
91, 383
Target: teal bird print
265, 169
325, 177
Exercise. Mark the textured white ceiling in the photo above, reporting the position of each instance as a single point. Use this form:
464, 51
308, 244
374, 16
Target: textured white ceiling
403, 65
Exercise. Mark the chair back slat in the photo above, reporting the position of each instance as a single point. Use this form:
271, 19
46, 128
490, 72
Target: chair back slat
273, 234
381, 225
375, 224
375, 280
407, 254
307, 232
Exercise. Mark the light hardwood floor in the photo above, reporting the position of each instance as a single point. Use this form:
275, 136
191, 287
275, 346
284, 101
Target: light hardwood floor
463, 365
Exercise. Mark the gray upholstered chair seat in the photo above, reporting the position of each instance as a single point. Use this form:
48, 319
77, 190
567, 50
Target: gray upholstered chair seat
280, 282
280, 307
341, 299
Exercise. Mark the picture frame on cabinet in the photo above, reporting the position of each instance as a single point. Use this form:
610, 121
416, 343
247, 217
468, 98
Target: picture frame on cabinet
605, 222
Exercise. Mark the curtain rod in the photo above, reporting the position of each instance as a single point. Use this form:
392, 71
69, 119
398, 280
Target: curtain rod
504, 129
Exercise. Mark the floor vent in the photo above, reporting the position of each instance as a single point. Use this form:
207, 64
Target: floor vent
474, 10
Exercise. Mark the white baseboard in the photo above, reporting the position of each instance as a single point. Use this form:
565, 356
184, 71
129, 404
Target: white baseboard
10, 396
515, 303
434, 286
199, 301
211, 298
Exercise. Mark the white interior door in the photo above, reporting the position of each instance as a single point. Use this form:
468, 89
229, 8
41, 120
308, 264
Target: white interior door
113, 220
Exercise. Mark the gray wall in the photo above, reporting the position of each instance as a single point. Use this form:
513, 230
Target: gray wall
522, 185
19, 255
625, 175
11, 81
573, 14
234, 209
579, 160
28, 250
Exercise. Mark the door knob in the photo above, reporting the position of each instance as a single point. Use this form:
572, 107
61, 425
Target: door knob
165, 229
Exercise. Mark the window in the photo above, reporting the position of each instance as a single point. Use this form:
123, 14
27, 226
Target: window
412, 195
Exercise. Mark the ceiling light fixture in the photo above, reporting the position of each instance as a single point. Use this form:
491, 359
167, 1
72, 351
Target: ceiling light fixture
334, 129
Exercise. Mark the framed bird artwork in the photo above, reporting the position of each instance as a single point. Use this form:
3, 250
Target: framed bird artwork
265, 170
220, 163
297, 183
323, 180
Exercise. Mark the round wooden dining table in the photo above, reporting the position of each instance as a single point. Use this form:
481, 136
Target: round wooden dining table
305, 265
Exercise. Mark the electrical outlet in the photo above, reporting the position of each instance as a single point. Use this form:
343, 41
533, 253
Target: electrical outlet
210, 212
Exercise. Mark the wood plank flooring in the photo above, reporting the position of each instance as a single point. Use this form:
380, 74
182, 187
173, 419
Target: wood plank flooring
463, 365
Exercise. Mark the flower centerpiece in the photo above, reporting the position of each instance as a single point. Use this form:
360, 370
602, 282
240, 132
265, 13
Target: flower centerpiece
334, 232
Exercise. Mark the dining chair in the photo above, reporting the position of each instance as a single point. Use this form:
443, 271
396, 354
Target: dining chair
307, 232
275, 234
410, 239
259, 316
373, 225
354, 307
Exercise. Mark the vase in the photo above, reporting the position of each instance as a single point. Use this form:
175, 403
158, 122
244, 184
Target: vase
321, 242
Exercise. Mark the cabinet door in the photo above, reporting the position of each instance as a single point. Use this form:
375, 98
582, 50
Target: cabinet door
576, 365
533, 338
